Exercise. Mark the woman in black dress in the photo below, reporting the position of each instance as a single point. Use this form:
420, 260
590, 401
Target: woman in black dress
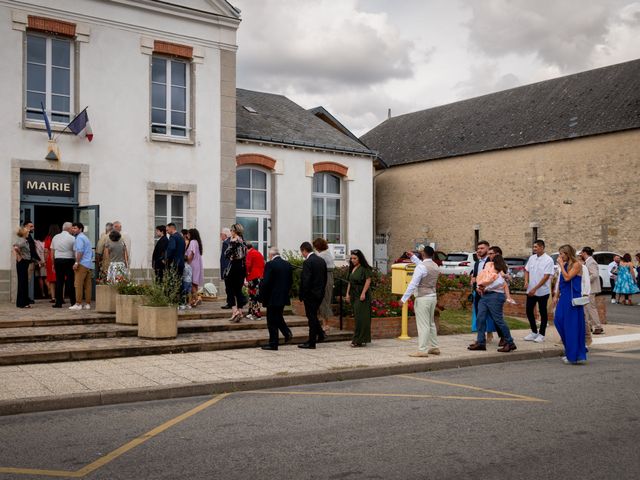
236, 271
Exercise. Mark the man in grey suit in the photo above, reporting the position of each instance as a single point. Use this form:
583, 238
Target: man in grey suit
590, 310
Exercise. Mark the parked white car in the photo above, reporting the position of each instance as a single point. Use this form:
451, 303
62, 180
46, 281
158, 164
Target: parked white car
603, 259
458, 263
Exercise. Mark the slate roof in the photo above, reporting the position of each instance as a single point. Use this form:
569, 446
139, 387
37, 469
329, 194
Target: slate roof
598, 101
279, 120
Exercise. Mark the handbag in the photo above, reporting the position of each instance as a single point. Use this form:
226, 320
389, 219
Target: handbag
579, 301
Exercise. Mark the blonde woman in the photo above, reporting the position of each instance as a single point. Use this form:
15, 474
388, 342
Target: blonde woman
23, 259
569, 318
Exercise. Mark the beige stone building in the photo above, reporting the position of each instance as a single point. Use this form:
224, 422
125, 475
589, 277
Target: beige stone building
556, 160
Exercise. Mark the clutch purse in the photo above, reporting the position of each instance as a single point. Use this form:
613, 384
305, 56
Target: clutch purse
579, 301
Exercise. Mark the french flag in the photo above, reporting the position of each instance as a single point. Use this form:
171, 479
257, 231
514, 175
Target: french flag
81, 126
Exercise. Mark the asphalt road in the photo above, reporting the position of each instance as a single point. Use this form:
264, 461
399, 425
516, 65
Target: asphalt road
624, 313
528, 420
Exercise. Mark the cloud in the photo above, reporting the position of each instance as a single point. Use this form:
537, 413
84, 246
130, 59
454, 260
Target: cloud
560, 33
485, 78
622, 40
319, 45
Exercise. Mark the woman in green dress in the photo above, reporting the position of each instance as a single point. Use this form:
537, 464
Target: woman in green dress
359, 287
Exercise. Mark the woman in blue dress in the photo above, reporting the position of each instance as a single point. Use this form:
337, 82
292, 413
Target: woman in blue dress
626, 282
569, 319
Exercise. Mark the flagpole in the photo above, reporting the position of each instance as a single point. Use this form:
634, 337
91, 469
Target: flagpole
72, 120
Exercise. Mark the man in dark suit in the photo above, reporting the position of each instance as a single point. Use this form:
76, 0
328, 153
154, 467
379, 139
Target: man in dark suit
175, 255
312, 285
274, 294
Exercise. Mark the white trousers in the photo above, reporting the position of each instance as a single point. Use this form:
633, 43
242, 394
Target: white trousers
425, 308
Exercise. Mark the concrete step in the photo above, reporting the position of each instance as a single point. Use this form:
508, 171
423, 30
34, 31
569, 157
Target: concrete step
60, 317
87, 349
113, 330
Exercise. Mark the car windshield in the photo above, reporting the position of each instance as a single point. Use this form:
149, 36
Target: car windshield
457, 257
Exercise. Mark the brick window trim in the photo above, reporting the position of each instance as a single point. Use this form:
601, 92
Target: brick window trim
52, 26
331, 167
173, 49
256, 159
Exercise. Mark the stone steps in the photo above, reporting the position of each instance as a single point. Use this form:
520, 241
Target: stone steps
68, 350
113, 330
90, 317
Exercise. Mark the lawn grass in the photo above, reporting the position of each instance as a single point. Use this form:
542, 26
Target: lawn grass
459, 321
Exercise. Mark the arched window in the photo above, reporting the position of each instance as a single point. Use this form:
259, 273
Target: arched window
251, 189
326, 207
253, 206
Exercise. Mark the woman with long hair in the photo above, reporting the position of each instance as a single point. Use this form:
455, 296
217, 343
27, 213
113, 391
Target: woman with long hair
494, 292
236, 271
23, 259
569, 318
358, 292
325, 312
54, 230
194, 258
626, 284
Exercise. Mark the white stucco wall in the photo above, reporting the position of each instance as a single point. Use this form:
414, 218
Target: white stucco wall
114, 82
293, 183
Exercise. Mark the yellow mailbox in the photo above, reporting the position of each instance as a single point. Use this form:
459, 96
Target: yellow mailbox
401, 274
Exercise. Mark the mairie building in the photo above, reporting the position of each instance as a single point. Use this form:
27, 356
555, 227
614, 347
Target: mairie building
158, 82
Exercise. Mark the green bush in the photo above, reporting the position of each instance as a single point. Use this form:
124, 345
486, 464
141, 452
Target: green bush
295, 259
129, 287
166, 292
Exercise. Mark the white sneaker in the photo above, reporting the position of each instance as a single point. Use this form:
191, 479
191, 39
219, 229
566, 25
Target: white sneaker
531, 337
613, 300
87, 306
182, 307
77, 306
566, 361
250, 317
539, 339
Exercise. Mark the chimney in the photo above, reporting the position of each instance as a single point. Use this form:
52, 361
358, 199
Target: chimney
388, 114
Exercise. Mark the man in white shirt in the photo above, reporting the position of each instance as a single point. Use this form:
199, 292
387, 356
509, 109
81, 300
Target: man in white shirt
63, 260
424, 283
612, 268
537, 281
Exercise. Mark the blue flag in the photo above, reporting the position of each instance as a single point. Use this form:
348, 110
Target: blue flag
46, 120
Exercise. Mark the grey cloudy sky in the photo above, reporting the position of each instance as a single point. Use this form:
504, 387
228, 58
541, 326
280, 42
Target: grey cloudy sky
357, 58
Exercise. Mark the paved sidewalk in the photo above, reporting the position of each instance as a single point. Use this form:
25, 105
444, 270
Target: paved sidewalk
51, 386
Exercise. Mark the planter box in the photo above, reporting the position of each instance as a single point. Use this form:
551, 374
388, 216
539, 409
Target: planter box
127, 309
297, 306
157, 322
105, 299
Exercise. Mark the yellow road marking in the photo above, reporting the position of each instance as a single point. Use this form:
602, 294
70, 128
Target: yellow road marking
393, 395
109, 457
472, 387
35, 471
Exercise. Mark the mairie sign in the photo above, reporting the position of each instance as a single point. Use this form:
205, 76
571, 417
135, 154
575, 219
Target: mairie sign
48, 184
